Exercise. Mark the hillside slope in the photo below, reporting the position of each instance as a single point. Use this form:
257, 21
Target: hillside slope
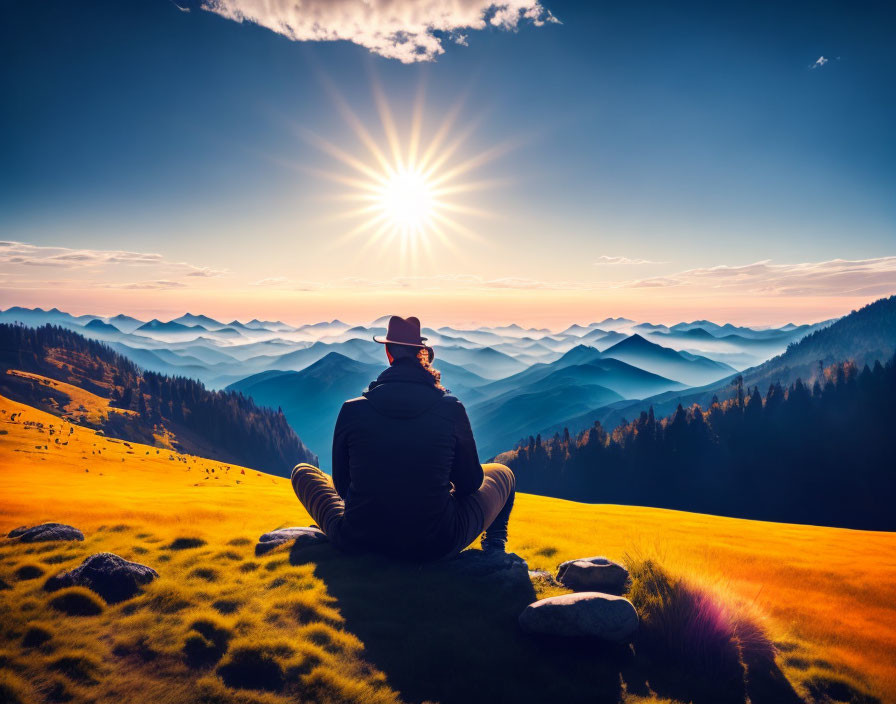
56, 370
863, 336
333, 628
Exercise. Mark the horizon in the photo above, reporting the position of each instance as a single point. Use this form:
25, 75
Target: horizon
166, 317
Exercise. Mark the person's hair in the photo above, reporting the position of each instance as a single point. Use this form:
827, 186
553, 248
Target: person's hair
422, 357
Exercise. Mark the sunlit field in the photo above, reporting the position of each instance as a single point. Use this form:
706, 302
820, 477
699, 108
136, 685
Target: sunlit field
329, 628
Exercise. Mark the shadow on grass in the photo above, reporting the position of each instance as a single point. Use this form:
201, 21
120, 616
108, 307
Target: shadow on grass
443, 633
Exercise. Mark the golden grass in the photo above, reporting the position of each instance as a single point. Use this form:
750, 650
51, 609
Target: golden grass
826, 596
82, 404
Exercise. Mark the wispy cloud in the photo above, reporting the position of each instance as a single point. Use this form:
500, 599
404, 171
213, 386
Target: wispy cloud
158, 285
271, 281
837, 277
605, 260
406, 30
24, 254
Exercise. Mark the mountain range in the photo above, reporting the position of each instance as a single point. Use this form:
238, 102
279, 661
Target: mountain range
513, 379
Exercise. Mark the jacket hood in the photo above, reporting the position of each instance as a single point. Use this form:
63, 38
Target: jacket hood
404, 390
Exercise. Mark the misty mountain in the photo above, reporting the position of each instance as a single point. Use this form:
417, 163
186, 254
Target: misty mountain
865, 336
499, 422
687, 368
311, 398
485, 361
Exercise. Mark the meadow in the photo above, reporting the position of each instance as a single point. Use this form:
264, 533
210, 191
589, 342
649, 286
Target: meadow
222, 625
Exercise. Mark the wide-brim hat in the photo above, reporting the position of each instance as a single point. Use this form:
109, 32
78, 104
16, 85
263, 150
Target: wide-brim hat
404, 331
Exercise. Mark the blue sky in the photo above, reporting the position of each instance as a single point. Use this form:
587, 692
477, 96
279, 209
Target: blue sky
704, 137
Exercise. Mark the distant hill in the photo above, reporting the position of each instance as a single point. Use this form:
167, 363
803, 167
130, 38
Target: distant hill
127, 402
497, 420
311, 398
484, 361
689, 369
863, 337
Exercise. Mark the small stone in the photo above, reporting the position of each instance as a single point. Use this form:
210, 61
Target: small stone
303, 537
543, 576
582, 614
593, 574
45, 533
481, 563
112, 577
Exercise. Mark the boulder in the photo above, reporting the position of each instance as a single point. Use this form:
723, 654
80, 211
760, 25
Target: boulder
112, 577
303, 536
45, 533
582, 614
593, 574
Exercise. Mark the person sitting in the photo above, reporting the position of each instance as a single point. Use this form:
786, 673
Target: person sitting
406, 475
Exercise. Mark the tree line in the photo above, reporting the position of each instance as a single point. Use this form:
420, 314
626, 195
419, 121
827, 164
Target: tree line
222, 425
821, 453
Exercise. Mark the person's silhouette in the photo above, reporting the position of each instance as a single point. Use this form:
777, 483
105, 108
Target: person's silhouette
406, 475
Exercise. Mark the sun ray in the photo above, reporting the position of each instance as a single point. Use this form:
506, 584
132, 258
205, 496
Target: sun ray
407, 196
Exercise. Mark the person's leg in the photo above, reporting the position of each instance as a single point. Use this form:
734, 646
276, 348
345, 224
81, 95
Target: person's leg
488, 508
317, 494
495, 537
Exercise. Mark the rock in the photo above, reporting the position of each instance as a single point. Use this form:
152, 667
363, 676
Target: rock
583, 614
483, 563
303, 537
543, 576
45, 533
593, 574
112, 577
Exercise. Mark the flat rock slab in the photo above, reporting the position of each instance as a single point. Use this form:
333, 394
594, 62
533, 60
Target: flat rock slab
303, 537
45, 533
584, 614
593, 574
484, 563
112, 577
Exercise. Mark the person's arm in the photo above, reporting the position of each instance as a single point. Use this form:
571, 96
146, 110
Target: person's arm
341, 477
466, 473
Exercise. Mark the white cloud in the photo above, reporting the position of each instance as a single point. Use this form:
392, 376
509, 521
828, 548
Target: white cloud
23, 254
158, 285
406, 30
270, 281
622, 260
819, 62
837, 277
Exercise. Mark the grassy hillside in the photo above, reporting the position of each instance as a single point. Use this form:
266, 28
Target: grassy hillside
331, 628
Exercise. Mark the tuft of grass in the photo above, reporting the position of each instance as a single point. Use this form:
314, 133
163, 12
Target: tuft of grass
77, 601
79, 666
206, 642
240, 542
690, 628
227, 606
252, 666
13, 689
206, 573
185, 544
831, 687
29, 571
36, 636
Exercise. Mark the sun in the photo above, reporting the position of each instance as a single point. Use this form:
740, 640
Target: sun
409, 190
407, 201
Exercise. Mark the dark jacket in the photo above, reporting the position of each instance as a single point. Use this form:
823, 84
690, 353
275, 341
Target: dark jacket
396, 452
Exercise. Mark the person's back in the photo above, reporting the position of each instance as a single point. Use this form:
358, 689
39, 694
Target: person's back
406, 475
396, 452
